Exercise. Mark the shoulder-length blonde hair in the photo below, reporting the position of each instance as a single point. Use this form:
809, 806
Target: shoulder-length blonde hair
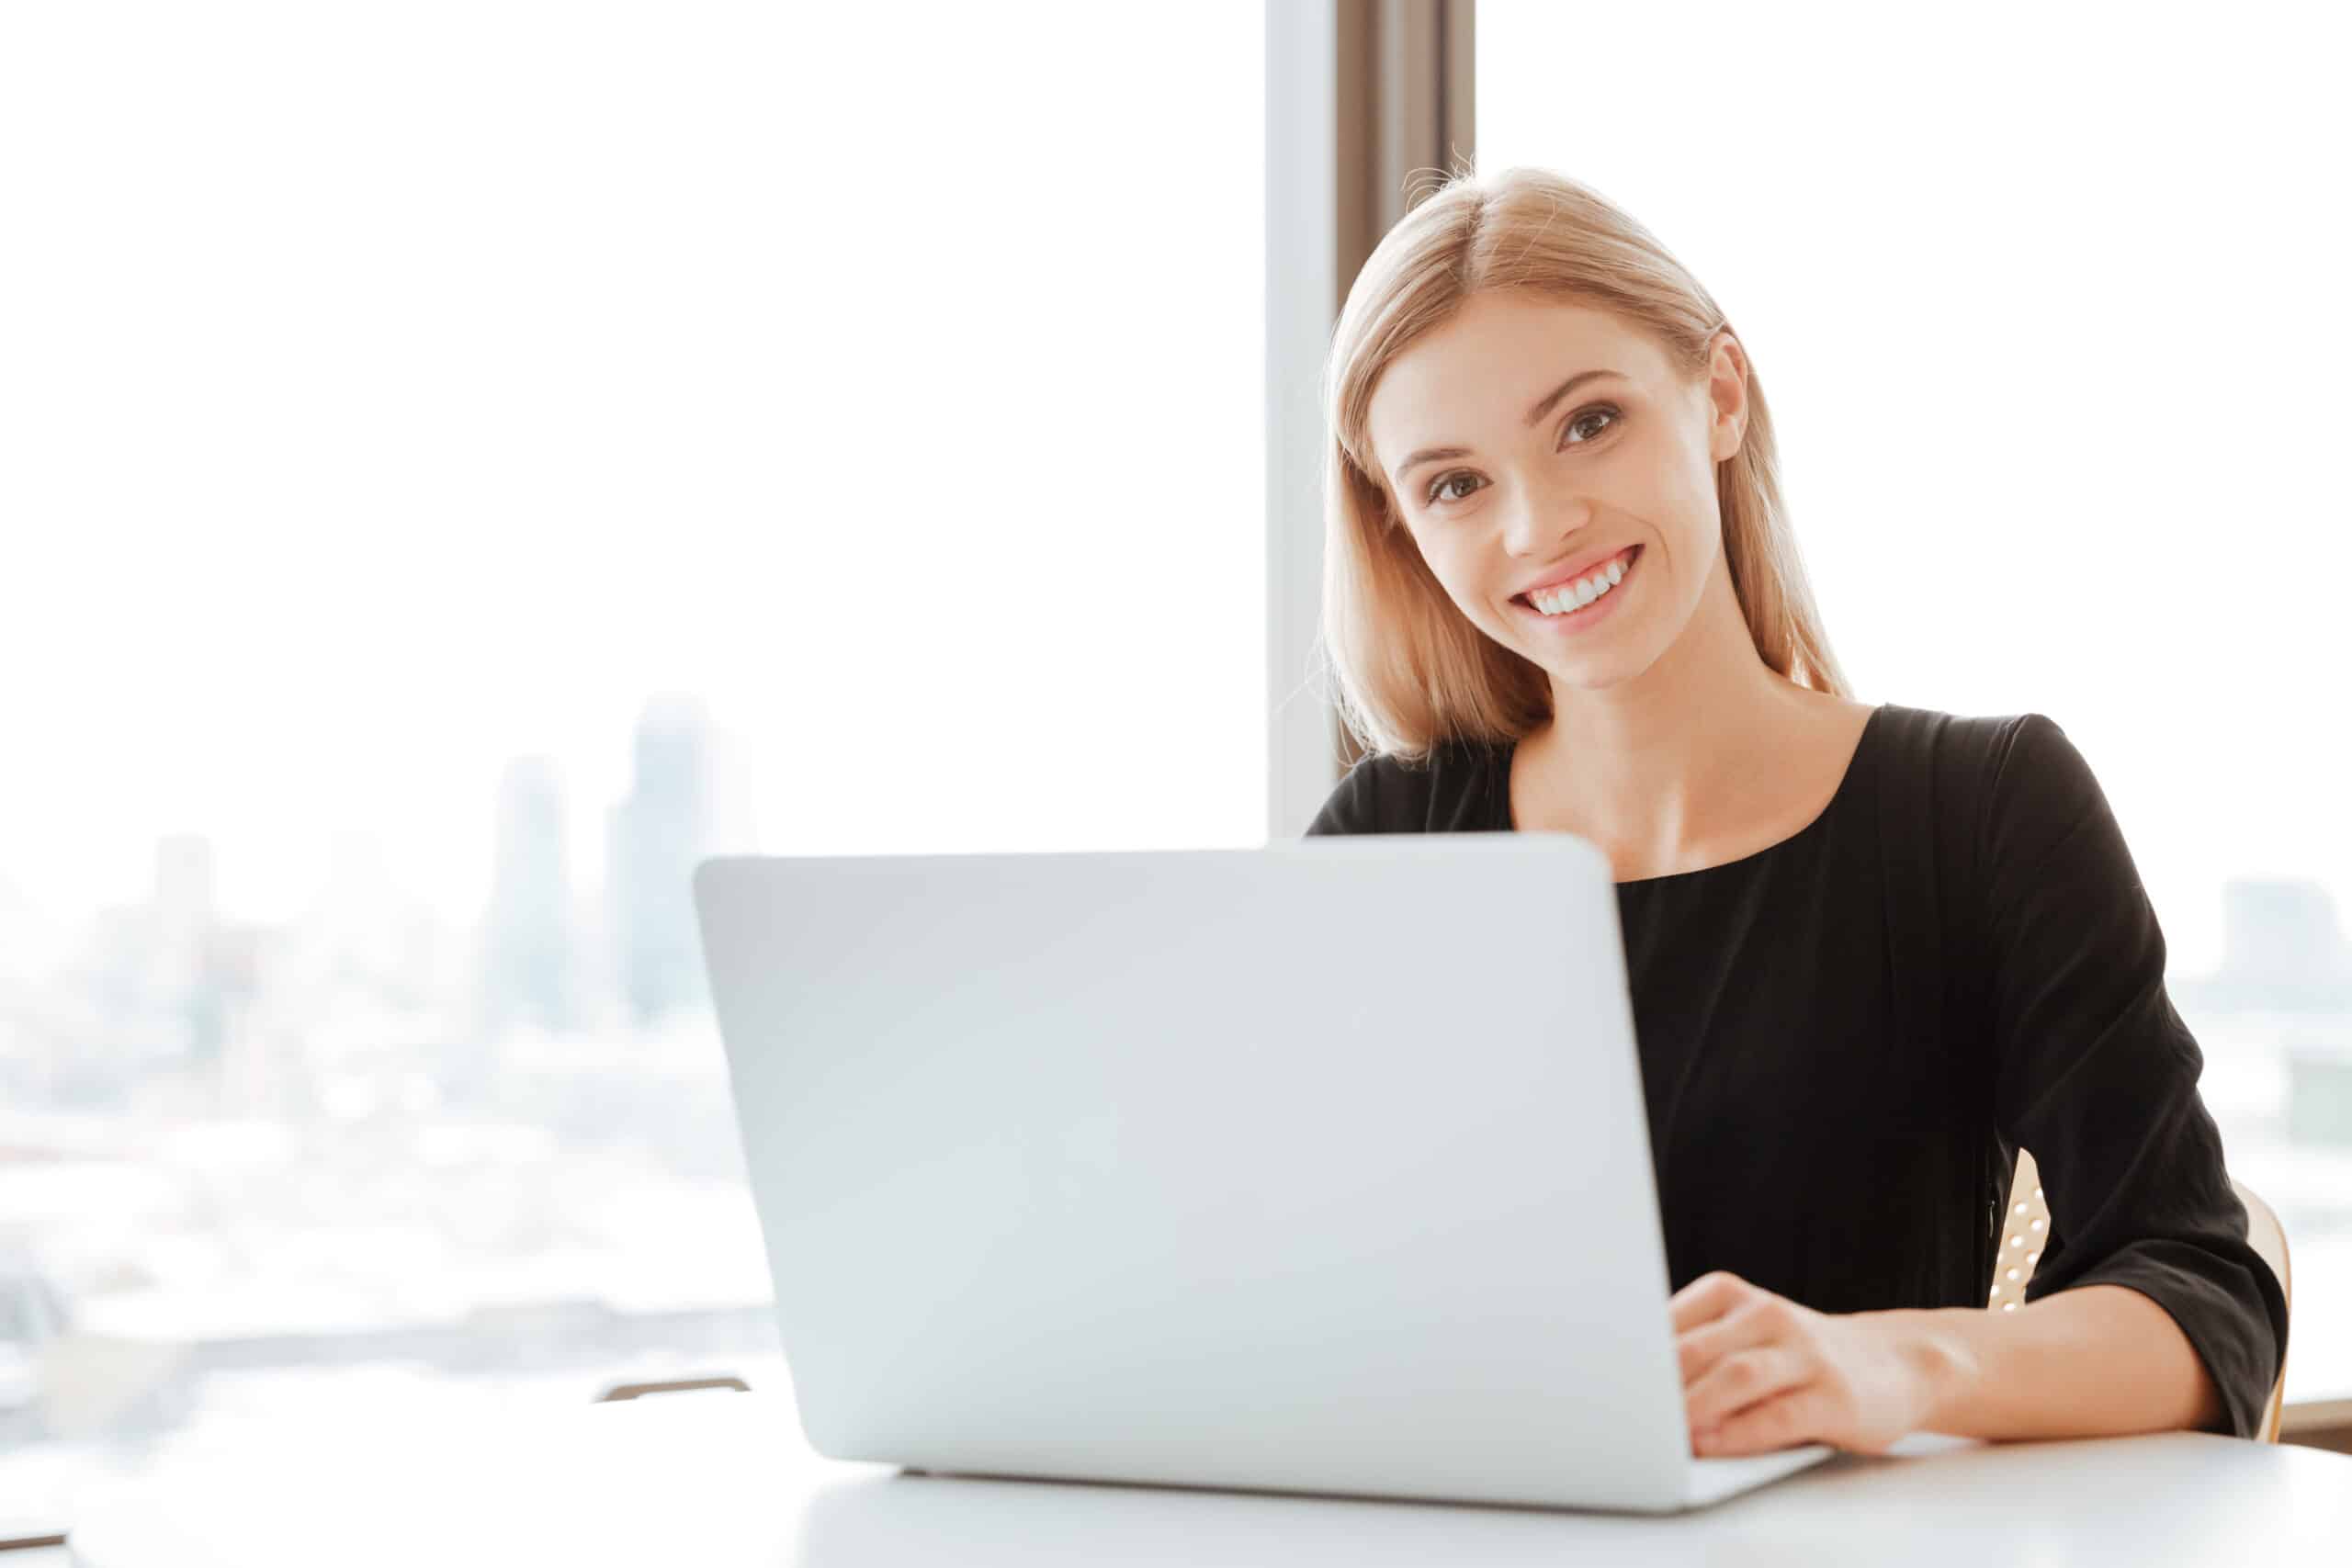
1412, 671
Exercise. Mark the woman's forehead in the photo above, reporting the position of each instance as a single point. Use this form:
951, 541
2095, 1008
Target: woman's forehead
1483, 370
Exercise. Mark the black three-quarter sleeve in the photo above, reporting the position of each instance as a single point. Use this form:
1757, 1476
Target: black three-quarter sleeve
2096, 1074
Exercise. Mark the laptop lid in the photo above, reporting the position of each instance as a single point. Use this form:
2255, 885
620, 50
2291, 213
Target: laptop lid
1320, 1166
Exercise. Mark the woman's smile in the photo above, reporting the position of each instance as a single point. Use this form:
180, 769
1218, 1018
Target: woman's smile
1581, 605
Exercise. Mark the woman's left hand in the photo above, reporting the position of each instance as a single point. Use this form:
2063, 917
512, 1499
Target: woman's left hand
1760, 1372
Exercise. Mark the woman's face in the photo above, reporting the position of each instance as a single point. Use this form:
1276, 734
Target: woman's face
1529, 443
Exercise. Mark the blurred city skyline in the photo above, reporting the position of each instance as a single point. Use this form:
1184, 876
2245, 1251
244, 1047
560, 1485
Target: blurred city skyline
302, 869
174, 976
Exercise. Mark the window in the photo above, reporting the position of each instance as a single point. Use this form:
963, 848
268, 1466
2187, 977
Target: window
2048, 330
464, 463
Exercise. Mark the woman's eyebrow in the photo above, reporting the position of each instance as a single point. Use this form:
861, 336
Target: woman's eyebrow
1432, 453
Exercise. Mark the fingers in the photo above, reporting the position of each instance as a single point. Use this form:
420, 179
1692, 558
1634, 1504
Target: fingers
1708, 1296
1783, 1423
1742, 1379
1762, 1319
1743, 1350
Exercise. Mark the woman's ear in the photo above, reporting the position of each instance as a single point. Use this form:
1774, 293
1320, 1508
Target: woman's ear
1726, 396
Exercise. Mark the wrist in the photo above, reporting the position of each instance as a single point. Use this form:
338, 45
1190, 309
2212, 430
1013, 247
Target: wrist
1943, 1361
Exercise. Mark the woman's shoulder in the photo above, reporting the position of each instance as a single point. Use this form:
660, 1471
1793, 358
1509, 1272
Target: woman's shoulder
1995, 785
1977, 754
1449, 789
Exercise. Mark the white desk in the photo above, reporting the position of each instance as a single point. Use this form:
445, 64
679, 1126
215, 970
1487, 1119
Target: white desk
721, 1480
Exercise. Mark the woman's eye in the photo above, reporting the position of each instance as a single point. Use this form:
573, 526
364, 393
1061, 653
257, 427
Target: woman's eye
1584, 423
1596, 412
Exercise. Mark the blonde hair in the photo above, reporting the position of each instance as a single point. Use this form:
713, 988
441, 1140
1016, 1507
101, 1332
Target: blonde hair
1412, 671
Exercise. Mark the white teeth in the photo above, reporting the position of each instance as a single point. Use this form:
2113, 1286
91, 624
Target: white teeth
1577, 595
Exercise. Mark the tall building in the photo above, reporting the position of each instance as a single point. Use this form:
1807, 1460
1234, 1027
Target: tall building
2282, 950
184, 952
2285, 986
184, 893
528, 946
667, 824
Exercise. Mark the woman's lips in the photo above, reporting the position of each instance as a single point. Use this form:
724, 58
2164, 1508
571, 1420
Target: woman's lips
1588, 569
1588, 616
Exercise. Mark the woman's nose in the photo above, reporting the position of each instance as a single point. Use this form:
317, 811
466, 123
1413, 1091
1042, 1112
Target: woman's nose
1536, 524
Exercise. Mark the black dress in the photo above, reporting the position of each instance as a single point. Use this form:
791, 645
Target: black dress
1846, 1037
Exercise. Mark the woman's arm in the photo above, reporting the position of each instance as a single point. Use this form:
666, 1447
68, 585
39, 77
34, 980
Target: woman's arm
2095, 1073
1761, 1372
2099, 1360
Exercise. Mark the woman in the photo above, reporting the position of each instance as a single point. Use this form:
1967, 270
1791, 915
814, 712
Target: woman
1873, 951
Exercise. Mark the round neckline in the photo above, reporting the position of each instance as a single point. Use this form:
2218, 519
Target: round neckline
1846, 784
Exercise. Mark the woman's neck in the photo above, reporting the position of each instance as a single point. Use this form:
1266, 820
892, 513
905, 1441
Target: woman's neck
1668, 760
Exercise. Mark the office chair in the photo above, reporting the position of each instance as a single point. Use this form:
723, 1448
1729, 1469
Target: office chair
2028, 1225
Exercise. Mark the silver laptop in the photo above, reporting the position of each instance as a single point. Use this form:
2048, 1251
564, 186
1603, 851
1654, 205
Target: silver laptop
1322, 1167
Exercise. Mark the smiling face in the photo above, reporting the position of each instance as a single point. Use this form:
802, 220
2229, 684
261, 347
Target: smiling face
1529, 443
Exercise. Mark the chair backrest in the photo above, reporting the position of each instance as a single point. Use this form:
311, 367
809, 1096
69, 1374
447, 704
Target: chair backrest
2268, 1237
2027, 1226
